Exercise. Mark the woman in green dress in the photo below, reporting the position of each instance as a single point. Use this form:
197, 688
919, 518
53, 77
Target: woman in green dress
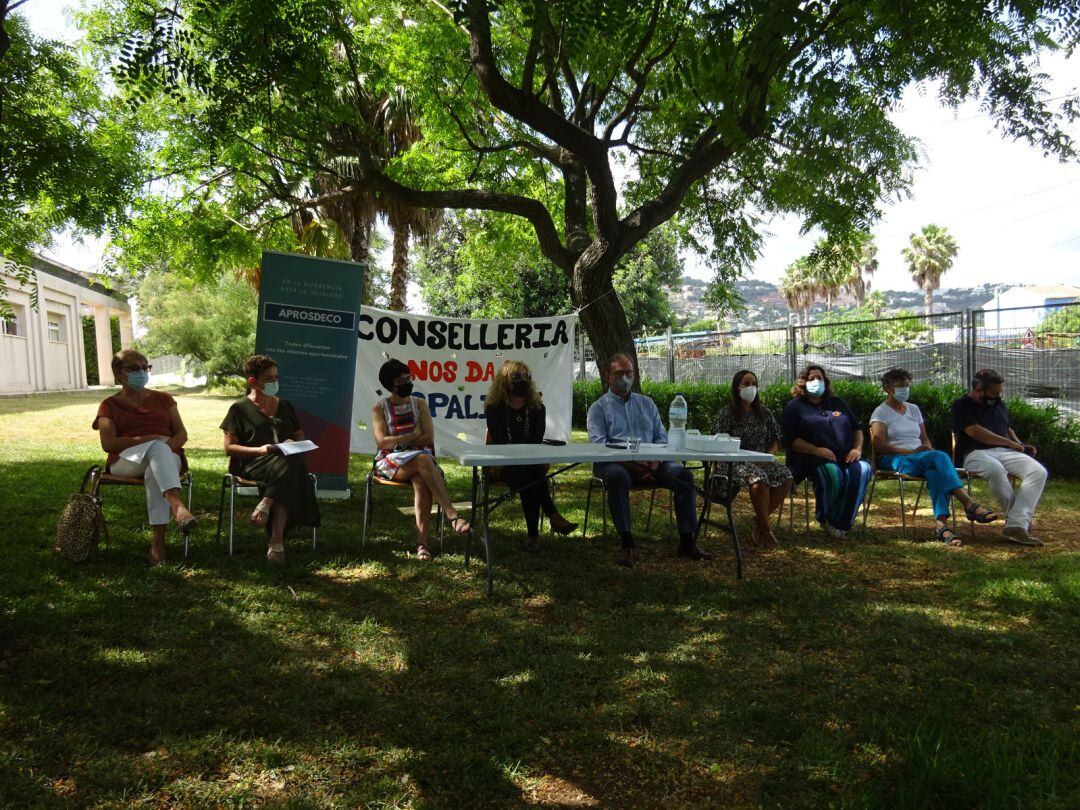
253, 426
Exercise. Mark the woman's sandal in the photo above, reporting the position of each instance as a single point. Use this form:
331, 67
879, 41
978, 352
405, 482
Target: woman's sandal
261, 515
985, 516
946, 535
275, 554
187, 524
455, 524
422, 553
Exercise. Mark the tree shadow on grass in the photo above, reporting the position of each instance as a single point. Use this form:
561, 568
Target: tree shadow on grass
379, 680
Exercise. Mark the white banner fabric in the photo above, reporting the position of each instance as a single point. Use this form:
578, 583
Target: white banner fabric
453, 363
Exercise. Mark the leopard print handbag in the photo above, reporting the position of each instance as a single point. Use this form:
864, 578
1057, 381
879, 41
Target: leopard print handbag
79, 527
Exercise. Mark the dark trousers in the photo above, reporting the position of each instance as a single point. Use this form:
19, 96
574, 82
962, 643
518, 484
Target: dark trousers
535, 495
670, 475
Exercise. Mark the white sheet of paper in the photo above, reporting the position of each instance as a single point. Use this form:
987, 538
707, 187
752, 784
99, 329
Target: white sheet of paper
292, 448
136, 453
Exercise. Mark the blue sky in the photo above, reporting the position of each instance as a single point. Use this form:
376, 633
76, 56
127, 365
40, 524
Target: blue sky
1014, 213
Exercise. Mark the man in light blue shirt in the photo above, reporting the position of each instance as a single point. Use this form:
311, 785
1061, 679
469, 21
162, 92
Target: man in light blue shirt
617, 416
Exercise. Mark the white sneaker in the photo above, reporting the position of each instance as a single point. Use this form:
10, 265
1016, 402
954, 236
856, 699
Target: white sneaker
833, 532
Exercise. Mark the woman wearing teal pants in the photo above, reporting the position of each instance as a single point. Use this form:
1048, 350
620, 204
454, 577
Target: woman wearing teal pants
901, 444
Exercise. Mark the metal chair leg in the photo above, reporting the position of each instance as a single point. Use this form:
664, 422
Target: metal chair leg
903, 511
367, 512
314, 529
866, 503
221, 508
588, 501
232, 511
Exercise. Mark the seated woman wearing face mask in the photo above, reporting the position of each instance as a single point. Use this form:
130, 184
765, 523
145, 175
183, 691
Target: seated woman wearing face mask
768, 481
824, 442
405, 439
137, 415
253, 426
515, 415
901, 445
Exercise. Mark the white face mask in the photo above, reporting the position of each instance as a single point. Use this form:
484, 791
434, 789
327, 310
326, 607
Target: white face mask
901, 394
748, 394
815, 388
270, 388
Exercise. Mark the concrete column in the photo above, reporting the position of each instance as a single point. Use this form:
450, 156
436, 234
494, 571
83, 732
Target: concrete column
103, 341
126, 336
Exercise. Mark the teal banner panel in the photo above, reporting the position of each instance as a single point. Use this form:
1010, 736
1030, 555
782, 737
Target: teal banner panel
308, 317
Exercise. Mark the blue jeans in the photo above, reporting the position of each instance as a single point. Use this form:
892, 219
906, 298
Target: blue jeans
618, 480
938, 470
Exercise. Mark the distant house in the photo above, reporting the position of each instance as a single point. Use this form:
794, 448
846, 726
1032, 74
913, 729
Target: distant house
1017, 309
43, 349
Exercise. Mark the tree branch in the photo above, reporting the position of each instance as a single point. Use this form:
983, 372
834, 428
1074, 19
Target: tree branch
530, 111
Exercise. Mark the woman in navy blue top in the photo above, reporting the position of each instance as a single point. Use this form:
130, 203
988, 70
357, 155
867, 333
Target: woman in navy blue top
824, 443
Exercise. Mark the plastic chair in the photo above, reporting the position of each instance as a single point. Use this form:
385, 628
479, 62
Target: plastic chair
807, 492
99, 476
372, 483
237, 486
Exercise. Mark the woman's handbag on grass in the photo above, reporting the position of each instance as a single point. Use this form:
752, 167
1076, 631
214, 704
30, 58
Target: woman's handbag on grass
79, 527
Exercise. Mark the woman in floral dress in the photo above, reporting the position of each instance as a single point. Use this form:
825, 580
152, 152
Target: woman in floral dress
767, 481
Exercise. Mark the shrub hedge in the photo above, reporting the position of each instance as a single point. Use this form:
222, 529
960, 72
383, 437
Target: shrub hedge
1058, 439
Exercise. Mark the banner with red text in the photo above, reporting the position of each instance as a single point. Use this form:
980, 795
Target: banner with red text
453, 363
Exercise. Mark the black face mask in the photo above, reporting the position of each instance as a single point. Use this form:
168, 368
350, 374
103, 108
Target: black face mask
991, 401
403, 390
519, 388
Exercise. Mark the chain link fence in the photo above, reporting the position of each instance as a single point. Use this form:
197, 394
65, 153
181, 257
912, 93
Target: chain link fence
1036, 349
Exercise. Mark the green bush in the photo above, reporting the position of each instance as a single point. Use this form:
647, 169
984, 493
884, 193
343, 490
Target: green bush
1058, 439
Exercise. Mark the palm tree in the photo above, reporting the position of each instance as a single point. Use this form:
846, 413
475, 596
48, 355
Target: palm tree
844, 264
928, 258
863, 263
799, 288
385, 128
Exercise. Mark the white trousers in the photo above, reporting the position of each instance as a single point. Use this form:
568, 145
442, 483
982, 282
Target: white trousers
995, 465
160, 471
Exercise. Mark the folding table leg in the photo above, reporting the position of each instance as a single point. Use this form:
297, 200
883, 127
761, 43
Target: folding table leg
486, 509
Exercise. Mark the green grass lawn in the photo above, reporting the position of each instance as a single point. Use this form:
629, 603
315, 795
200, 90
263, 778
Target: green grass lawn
874, 672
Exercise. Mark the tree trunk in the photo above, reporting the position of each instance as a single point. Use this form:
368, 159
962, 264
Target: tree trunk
359, 237
399, 267
929, 301
603, 316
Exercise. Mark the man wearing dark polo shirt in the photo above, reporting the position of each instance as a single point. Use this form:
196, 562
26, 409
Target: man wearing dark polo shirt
988, 447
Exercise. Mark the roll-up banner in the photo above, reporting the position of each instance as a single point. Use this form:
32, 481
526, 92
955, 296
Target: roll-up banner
308, 318
453, 363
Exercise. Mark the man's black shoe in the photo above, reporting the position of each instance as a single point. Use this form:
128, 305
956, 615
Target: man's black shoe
627, 556
694, 552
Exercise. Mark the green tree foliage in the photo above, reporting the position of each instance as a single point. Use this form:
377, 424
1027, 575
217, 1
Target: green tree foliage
489, 266
724, 114
929, 257
68, 154
1062, 327
212, 323
857, 330
482, 265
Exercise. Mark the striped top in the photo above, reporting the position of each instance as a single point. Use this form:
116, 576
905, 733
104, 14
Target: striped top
401, 419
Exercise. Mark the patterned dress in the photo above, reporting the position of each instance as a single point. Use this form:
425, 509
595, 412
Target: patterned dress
400, 419
757, 435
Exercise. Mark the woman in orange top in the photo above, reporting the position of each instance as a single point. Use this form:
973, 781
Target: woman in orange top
137, 416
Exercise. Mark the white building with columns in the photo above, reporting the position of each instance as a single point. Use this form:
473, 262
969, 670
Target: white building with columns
42, 348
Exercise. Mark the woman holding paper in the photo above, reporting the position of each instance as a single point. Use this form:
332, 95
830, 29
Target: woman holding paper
515, 415
767, 481
254, 428
405, 450
143, 434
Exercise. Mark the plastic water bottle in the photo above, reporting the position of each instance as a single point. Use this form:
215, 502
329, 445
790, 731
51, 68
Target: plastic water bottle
677, 413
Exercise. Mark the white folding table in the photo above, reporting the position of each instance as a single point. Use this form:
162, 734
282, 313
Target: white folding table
567, 456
